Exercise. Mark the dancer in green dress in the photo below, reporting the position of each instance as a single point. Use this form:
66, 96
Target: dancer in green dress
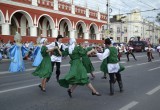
103, 65
44, 70
77, 74
86, 60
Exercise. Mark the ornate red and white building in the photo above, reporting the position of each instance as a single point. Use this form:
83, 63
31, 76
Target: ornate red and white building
48, 18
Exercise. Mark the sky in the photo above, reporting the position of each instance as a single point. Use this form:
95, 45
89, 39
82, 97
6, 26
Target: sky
123, 6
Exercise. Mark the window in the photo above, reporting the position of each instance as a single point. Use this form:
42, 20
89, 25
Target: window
118, 29
136, 29
118, 39
125, 29
111, 30
125, 39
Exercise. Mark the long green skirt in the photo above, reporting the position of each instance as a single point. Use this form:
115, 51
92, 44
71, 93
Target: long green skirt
77, 75
87, 64
44, 70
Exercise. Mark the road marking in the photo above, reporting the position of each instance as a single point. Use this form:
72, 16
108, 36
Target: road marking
129, 66
153, 91
18, 88
154, 69
128, 106
142, 63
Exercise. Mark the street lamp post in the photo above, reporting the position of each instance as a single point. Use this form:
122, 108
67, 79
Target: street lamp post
108, 23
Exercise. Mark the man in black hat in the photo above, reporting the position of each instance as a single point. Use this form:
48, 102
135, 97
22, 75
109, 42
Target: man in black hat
56, 58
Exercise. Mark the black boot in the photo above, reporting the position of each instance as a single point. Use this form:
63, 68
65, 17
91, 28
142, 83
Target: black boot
120, 86
111, 88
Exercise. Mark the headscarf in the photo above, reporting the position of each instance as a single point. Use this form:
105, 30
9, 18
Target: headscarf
38, 40
17, 37
72, 42
43, 40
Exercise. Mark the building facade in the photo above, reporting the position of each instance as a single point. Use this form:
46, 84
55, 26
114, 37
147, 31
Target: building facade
48, 18
124, 28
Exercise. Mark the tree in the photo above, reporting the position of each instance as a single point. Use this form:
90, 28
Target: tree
158, 18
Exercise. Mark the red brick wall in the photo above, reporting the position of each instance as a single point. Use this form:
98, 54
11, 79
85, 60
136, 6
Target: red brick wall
28, 38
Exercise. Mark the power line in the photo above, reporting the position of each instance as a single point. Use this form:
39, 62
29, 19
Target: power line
145, 3
138, 11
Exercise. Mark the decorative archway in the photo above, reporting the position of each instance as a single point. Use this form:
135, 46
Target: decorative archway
14, 26
65, 26
23, 21
81, 29
45, 26
93, 30
2, 20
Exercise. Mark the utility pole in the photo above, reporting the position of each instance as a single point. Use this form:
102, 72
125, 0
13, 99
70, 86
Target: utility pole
108, 21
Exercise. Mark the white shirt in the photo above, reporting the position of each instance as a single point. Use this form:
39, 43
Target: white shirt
53, 57
112, 68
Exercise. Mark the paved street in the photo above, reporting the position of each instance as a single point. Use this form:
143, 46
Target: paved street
20, 91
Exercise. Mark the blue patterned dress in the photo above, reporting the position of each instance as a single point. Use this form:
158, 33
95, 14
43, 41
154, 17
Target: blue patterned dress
17, 52
37, 56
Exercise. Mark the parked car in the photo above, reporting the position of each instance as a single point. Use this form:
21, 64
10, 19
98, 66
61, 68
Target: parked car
139, 46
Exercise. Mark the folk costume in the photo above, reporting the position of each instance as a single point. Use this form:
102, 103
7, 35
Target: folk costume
86, 60
113, 67
158, 49
17, 53
44, 70
129, 50
77, 74
37, 54
56, 58
149, 50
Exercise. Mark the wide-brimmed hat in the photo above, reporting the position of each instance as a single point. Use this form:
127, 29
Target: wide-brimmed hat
59, 37
86, 42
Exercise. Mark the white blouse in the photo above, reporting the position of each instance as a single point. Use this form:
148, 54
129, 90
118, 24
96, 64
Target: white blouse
112, 68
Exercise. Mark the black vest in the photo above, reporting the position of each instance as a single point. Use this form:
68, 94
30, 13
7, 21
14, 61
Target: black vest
55, 52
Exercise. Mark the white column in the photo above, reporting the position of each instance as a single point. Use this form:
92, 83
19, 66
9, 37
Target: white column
99, 15
87, 12
33, 31
72, 33
34, 2
6, 29
86, 35
73, 9
98, 37
55, 32
55, 4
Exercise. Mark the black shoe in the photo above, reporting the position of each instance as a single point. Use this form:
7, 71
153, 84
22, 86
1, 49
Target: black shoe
43, 90
97, 94
48, 79
104, 77
40, 86
69, 93
57, 77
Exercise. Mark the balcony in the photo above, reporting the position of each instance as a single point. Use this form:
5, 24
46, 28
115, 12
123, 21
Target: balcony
24, 1
46, 3
80, 11
93, 14
64, 7
103, 16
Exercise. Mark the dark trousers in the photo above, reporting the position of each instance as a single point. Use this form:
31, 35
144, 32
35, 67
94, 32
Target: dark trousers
58, 64
131, 54
150, 56
113, 75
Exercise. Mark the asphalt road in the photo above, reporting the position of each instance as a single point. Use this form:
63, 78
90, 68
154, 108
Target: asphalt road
141, 80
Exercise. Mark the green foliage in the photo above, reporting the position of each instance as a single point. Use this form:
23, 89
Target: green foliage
158, 18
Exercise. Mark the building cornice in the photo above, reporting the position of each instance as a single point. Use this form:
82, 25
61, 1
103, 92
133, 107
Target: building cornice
51, 11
